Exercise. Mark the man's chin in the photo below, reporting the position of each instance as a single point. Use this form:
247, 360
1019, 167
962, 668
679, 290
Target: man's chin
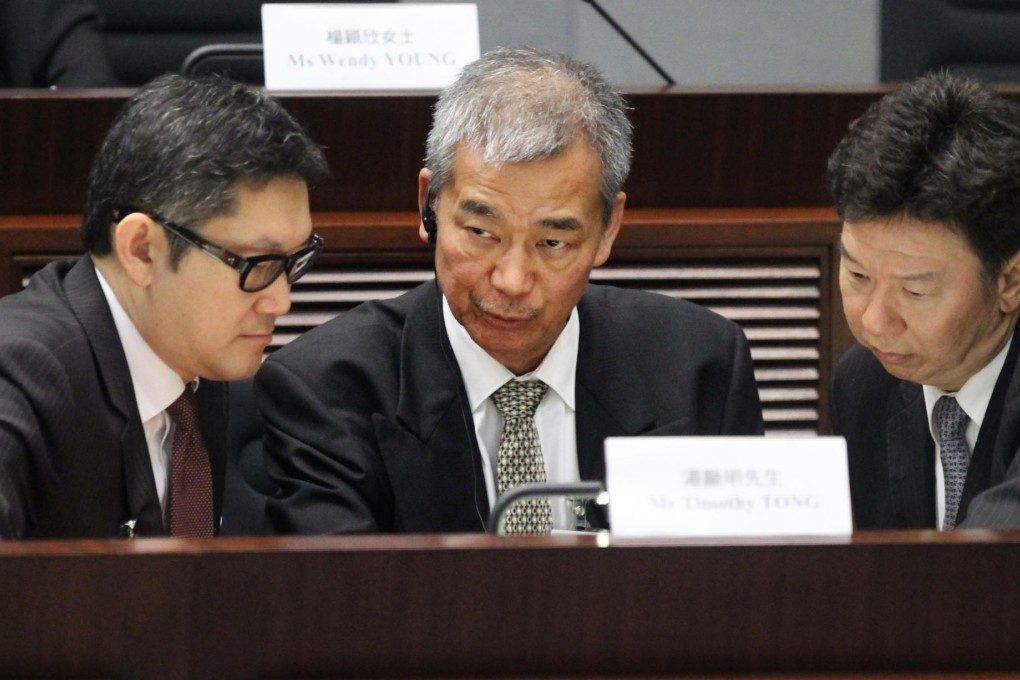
518, 358
234, 371
900, 371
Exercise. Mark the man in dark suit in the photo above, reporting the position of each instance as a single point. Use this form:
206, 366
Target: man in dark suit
196, 224
52, 43
386, 419
928, 185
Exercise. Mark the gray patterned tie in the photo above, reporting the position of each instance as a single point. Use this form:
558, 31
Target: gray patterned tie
951, 422
520, 455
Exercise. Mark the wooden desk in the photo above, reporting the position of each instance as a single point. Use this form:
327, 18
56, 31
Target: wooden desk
920, 603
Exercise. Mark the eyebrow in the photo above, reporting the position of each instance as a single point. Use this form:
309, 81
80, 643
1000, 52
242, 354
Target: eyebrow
843, 252
266, 244
477, 208
559, 223
562, 223
916, 276
274, 247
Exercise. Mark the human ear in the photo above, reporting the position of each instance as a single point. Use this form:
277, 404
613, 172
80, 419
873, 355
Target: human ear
609, 234
137, 246
1009, 285
426, 232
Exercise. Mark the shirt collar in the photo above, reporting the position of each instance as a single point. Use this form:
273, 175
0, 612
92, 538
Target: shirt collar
483, 375
156, 384
976, 393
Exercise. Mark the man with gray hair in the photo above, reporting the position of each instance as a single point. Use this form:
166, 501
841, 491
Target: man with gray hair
416, 414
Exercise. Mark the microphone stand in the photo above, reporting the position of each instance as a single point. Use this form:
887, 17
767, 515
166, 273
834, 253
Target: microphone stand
626, 36
574, 490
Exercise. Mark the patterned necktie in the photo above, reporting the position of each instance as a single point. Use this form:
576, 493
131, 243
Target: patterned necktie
191, 498
520, 455
951, 422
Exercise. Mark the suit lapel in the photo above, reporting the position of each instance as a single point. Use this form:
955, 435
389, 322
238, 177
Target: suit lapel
89, 305
911, 475
429, 447
998, 439
1008, 440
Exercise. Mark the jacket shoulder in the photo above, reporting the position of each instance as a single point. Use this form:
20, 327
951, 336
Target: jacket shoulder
369, 336
41, 313
862, 388
859, 372
652, 318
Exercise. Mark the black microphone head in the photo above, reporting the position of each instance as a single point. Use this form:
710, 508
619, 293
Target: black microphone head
428, 218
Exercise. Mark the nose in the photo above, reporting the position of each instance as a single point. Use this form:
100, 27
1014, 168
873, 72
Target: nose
879, 317
512, 276
274, 299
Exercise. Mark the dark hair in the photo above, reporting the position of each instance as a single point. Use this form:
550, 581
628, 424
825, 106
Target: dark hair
182, 145
941, 149
523, 104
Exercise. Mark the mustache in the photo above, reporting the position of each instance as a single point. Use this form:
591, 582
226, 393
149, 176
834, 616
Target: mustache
507, 309
264, 329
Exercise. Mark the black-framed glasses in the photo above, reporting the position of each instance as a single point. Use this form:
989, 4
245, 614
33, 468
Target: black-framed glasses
258, 272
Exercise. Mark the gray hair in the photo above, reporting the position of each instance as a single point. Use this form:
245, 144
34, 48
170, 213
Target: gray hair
515, 105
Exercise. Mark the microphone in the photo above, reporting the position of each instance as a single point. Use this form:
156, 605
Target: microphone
127, 529
576, 491
626, 36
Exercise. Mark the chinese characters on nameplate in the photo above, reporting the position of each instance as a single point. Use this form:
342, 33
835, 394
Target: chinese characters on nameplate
727, 486
367, 46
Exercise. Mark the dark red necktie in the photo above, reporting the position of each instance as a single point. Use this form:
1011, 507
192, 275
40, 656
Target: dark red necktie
191, 498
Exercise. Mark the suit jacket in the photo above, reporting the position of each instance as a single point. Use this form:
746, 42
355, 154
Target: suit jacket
892, 455
73, 458
47, 43
368, 428
246, 482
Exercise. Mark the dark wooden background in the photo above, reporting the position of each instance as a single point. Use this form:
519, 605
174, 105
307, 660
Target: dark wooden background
693, 149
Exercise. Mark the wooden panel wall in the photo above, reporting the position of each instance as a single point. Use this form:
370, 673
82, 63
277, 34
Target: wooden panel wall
692, 149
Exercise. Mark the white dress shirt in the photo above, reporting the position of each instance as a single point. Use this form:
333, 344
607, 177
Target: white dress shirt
554, 419
973, 398
156, 386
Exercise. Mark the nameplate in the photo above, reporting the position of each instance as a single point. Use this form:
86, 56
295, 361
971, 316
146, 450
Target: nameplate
727, 486
366, 46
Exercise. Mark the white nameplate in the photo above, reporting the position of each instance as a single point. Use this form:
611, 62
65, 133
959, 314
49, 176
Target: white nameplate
366, 46
727, 486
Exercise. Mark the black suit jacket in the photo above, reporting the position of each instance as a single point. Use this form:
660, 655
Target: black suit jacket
46, 43
368, 428
892, 455
73, 458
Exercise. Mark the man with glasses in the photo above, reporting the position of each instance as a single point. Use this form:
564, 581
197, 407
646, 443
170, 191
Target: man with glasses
113, 408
